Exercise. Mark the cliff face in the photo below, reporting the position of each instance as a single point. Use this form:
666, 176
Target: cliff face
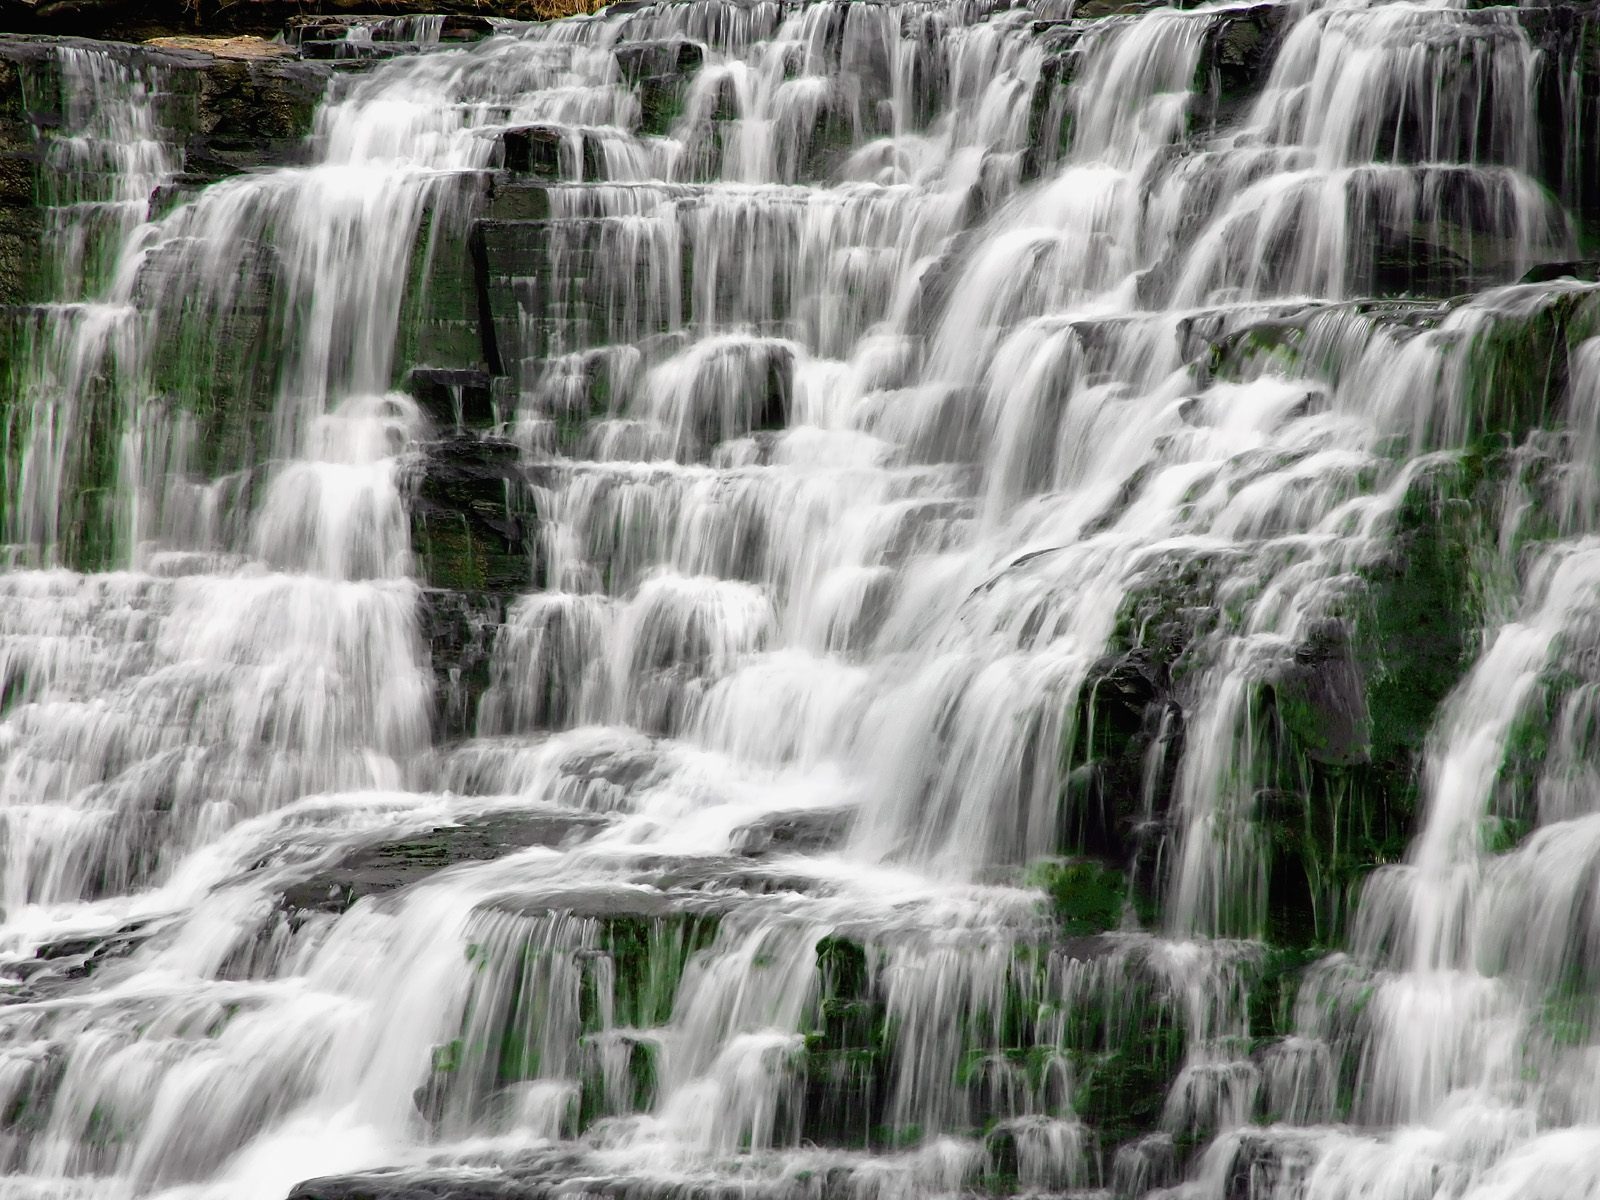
142, 19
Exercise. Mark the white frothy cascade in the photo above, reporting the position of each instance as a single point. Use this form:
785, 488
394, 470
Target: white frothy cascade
903, 395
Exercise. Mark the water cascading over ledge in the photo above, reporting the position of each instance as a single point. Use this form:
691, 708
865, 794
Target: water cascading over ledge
804, 601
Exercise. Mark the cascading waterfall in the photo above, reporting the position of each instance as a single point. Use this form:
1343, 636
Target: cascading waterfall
1040, 655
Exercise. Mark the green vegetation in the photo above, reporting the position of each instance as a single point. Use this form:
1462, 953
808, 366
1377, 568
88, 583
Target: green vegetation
1085, 897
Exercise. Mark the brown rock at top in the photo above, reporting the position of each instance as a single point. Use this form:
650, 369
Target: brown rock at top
245, 47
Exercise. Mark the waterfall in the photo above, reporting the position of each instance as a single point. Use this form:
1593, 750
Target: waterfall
809, 600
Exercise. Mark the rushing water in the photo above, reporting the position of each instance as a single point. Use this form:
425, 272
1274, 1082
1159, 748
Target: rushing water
925, 355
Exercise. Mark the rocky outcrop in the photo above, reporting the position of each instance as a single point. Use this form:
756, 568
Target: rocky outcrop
468, 528
56, 965
387, 866
231, 104
140, 19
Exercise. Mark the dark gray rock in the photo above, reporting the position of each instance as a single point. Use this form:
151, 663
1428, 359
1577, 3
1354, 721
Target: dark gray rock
455, 398
659, 59
1320, 696
468, 525
459, 628
804, 831
374, 870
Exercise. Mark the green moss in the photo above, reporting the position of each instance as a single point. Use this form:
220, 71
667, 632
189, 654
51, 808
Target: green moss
440, 318
648, 956
1333, 810
1121, 1090
847, 1057
1273, 989
446, 1058
897, 1137
1568, 1018
1517, 367
447, 554
660, 104
1084, 897
1269, 348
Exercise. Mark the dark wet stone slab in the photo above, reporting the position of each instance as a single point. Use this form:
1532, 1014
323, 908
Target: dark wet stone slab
388, 866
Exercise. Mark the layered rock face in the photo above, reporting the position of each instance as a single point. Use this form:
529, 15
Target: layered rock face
800, 600
143, 20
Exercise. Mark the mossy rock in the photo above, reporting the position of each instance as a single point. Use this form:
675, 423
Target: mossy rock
1345, 722
1084, 897
1121, 1089
466, 528
21, 235
1319, 696
1516, 370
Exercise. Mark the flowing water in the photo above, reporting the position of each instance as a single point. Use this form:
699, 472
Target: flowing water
916, 392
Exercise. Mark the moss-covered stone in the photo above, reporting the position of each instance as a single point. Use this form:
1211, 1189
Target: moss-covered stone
468, 530
846, 1062
1345, 724
1084, 897
1517, 366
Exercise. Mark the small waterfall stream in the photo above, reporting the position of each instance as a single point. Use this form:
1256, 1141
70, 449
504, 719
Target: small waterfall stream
1032, 578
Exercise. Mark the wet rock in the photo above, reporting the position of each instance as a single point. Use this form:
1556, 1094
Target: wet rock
1240, 56
541, 1175
1270, 1162
139, 19
1348, 727
442, 321
660, 71
1320, 696
252, 110
629, 902
236, 103
1218, 342
660, 103
513, 199
56, 965
804, 831
374, 870
1585, 270
533, 150
455, 398
357, 36
459, 628
467, 527
1518, 363
1091, 10
1411, 265
533, 312
1567, 102
642, 60
1128, 724
21, 228
21, 221
414, 1185
726, 875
